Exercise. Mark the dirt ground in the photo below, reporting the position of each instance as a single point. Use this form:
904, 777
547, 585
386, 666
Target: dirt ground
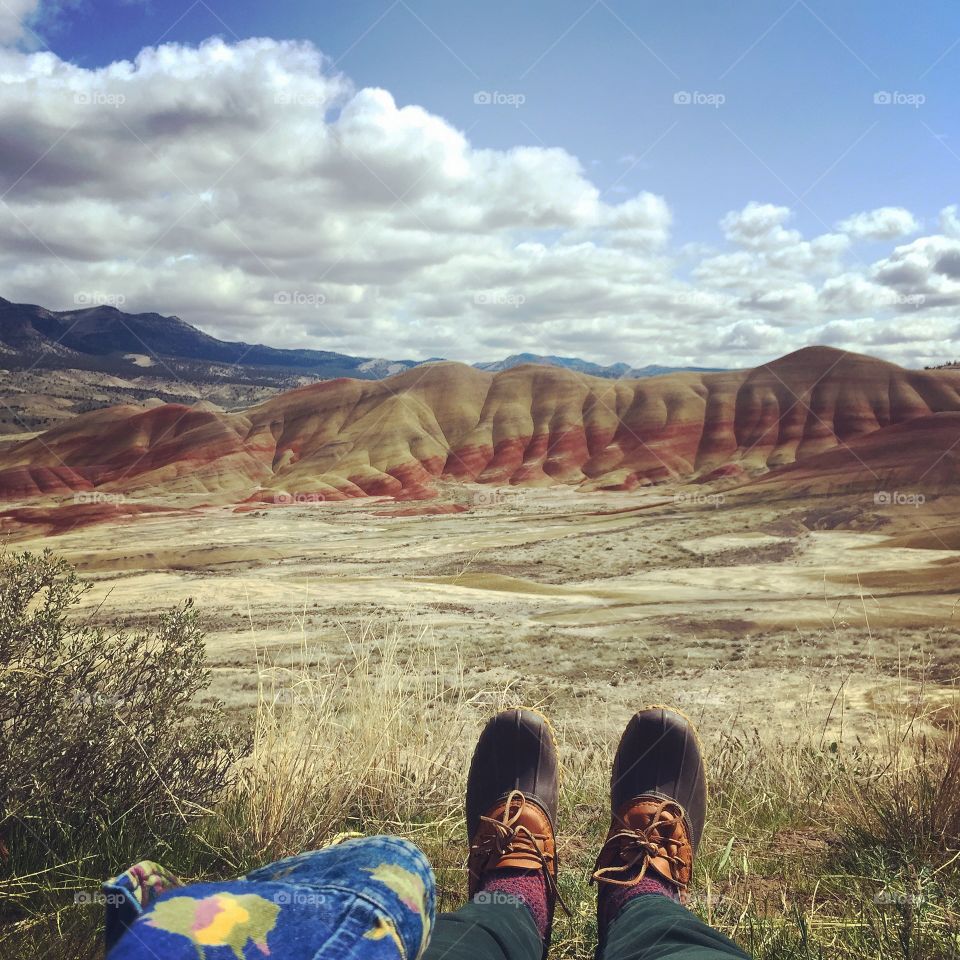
767, 616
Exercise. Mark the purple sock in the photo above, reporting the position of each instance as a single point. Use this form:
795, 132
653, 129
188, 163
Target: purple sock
527, 886
612, 899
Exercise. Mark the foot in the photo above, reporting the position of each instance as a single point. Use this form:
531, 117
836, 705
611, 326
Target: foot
658, 805
512, 792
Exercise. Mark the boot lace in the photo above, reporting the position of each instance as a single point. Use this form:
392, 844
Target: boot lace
657, 840
511, 836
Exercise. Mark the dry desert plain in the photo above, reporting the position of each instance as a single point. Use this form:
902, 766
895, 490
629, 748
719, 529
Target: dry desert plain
822, 614
774, 549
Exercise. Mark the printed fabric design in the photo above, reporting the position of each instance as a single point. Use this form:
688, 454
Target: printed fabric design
220, 920
144, 882
368, 898
413, 894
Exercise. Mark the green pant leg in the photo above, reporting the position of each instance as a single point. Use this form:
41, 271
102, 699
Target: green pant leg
657, 928
485, 931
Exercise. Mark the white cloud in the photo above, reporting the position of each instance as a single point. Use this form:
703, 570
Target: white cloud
870, 334
252, 190
950, 221
751, 336
884, 223
927, 268
759, 226
24, 22
13, 16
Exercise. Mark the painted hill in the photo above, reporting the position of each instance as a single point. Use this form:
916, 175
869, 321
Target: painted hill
531, 425
917, 457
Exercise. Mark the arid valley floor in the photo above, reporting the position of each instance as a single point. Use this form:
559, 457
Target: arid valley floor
823, 614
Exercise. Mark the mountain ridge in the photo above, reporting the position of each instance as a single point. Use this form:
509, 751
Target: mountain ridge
82, 335
611, 371
107, 332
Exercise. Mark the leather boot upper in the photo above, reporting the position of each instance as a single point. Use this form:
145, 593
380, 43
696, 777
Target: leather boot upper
658, 802
512, 794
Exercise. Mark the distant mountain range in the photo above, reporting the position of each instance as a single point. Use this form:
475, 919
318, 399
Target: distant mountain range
33, 335
615, 371
105, 338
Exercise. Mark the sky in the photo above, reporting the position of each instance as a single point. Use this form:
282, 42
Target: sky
686, 183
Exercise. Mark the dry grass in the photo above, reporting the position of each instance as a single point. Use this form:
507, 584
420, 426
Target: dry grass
805, 853
909, 797
813, 849
375, 740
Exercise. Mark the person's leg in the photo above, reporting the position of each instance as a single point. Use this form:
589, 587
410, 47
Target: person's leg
370, 897
388, 874
486, 931
658, 806
656, 927
512, 793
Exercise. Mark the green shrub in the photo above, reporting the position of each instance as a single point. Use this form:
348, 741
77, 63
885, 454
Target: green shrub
97, 724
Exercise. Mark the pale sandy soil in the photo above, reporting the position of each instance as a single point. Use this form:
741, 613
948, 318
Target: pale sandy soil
587, 604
